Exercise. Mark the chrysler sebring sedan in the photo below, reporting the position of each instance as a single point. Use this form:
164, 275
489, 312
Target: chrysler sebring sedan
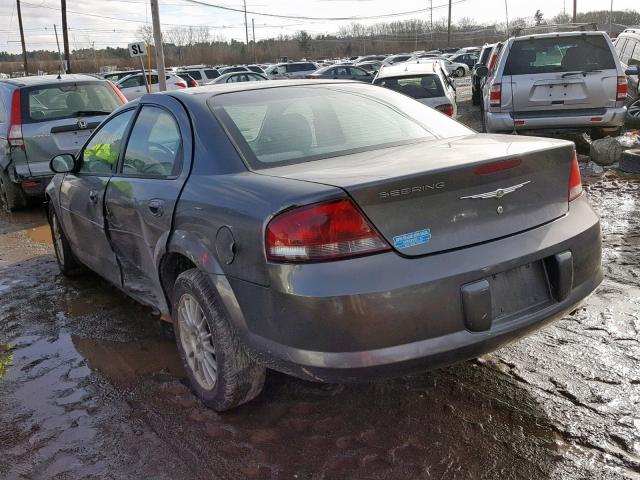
335, 231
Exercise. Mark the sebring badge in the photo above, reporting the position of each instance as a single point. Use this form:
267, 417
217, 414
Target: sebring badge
499, 193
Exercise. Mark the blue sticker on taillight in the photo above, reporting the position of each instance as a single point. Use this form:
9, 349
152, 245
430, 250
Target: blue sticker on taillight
412, 239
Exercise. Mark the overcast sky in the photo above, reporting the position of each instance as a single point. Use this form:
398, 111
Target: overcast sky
87, 25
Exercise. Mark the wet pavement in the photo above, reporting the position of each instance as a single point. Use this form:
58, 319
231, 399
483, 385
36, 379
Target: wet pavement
91, 388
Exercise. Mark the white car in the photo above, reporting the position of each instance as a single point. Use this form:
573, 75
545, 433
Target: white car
455, 68
134, 86
425, 81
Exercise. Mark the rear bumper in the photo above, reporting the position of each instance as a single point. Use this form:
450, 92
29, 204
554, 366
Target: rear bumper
32, 186
505, 121
387, 315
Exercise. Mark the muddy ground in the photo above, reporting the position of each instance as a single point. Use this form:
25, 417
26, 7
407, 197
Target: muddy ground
91, 387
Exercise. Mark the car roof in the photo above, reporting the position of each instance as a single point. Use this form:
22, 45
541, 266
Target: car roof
560, 34
49, 80
426, 67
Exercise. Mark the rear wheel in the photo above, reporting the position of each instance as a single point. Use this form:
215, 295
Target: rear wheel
460, 72
220, 371
67, 261
633, 115
11, 195
475, 97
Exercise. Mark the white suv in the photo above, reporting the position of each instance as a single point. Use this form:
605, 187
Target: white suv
561, 81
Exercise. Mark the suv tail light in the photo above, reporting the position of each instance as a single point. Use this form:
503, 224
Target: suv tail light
181, 84
575, 180
320, 232
495, 97
15, 123
446, 108
621, 92
118, 92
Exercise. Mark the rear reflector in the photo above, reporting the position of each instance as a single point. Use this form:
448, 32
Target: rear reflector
15, 122
321, 232
495, 97
518, 123
29, 184
575, 180
118, 92
596, 119
621, 92
446, 108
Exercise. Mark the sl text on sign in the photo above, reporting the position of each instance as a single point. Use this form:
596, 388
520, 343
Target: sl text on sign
138, 49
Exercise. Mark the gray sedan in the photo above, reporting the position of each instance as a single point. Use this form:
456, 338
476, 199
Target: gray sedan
334, 231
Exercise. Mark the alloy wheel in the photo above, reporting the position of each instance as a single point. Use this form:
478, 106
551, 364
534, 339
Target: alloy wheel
634, 109
196, 341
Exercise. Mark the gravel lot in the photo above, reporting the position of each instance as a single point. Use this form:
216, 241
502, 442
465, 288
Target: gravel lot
91, 387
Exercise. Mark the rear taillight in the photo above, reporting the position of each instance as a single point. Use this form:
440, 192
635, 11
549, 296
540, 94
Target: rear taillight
15, 122
621, 92
194, 83
446, 108
575, 180
181, 84
495, 97
321, 232
118, 93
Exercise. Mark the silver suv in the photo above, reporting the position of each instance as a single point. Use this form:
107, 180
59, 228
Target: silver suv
41, 117
291, 70
567, 82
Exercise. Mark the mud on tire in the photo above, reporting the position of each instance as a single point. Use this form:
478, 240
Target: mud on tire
67, 261
239, 378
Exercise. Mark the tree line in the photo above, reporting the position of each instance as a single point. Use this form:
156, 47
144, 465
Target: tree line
200, 44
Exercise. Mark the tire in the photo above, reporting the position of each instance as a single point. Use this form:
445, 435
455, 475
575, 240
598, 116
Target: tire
633, 115
476, 99
460, 72
11, 195
220, 371
69, 265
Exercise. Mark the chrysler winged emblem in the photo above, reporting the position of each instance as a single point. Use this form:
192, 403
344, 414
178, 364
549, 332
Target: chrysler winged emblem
82, 124
499, 193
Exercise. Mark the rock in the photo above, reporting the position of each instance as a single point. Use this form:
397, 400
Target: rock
606, 151
630, 161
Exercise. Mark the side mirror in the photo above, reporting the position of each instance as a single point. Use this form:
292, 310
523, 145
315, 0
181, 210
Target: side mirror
482, 71
632, 70
63, 163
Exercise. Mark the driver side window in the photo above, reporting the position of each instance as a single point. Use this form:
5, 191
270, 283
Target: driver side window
154, 145
100, 156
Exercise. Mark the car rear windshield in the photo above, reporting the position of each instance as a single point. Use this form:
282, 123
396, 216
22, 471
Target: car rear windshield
279, 126
416, 86
559, 54
56, 102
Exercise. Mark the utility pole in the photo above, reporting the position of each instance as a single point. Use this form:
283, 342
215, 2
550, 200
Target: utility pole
246, 25
157, 39
449, 26
65, 35
55, 29
506, 12
24, 49
431, 22
611, 20
575, 11
253, 29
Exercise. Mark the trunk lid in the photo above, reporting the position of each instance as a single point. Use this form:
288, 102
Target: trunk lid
441, 195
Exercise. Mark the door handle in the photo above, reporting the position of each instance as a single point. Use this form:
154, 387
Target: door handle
156, 207
93, 196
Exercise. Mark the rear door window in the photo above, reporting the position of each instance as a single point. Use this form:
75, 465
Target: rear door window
211, 74
635, 56
559, 54
154, 145
620, 45
628, 52
65, 101
195, 74
134, 81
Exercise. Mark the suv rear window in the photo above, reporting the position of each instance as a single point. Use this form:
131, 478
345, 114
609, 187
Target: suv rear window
559, 54
282, 126
195, 74
72, 100
417, 86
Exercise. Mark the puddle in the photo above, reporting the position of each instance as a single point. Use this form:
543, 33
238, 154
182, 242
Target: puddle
40, 234
124, 363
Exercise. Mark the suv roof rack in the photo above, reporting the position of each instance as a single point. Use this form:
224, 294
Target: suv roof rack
632, 29
561, 27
